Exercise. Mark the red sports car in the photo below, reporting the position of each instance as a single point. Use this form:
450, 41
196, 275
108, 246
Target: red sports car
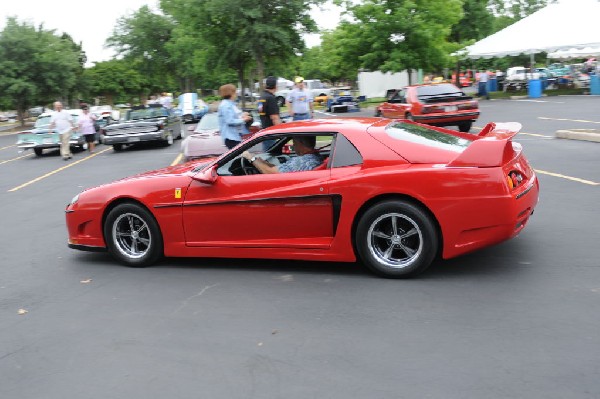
392, 193
438, 104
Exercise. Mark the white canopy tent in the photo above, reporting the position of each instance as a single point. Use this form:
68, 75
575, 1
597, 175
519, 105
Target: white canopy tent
575, 53
566, 25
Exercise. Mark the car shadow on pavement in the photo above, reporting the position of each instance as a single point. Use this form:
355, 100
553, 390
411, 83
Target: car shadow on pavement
500, 260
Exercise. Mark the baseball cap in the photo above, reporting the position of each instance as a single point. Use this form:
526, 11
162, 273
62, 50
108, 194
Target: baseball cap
299, 79
271, 82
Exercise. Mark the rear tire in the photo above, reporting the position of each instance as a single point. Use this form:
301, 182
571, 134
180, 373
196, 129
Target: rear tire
38, 151
118, 147
410, 117
132, 235
280, 101
396, 239
465, 126
377, 113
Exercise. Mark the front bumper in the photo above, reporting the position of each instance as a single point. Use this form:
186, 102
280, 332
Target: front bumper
133, 138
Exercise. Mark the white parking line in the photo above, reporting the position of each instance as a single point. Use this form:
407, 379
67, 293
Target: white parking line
567, 120
57, 170
14, 159
577, 179
8, 146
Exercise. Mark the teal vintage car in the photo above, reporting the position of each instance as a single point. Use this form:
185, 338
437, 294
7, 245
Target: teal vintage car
40, 137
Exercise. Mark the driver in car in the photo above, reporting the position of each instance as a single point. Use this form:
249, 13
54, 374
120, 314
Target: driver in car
307, 158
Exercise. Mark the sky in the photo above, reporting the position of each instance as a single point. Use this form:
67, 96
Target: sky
91, 22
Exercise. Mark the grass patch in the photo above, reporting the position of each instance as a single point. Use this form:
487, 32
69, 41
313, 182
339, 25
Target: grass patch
549, 93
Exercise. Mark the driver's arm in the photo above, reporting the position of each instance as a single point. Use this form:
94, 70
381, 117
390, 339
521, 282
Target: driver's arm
260, 164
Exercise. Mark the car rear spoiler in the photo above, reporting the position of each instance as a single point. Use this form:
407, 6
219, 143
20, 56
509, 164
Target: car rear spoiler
489, 150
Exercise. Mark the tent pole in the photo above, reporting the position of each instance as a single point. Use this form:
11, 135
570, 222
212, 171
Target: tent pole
531, 63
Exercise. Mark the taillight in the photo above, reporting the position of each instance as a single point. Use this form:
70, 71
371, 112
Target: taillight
514, 179
429, 109
468, 105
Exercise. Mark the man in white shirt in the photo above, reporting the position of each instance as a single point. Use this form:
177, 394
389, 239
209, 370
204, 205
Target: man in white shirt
300, 101
483, 81
62, 121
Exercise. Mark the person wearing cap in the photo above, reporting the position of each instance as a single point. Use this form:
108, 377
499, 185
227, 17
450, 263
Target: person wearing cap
267, 107
300, 101
86, 125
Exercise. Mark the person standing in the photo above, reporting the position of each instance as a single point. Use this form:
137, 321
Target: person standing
166, 100
268, 109
300, 101
62, 121
482, 77
86, 126
232, 121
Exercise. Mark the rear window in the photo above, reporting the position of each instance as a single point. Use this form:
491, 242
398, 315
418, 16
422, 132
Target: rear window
425, 136
438, 90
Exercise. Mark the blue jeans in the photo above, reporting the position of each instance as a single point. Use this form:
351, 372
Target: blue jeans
301, 117
483, 90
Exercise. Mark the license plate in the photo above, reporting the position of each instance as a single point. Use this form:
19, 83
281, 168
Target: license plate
133, 139
451, 108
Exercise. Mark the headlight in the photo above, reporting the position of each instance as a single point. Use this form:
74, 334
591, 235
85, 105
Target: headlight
74, 200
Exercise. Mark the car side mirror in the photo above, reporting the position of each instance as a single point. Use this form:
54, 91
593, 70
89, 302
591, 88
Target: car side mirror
207, 176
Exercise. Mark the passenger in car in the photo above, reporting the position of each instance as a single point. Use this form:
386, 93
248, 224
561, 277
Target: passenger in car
307, 158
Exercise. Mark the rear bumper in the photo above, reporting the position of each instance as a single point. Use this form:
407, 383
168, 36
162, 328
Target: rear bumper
446, 118
510, 218
31, 145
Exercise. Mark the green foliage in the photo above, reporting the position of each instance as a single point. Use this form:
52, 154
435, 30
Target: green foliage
141, 39
37, 66
401, 34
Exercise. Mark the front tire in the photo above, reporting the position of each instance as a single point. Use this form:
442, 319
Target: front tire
38, 151
169, 140
280, 101
118, 147
132, 235
396, 239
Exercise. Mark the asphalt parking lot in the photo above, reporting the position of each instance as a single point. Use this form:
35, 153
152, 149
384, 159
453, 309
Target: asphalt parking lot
517, 320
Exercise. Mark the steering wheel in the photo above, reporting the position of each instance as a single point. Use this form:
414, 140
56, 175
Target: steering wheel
247, 167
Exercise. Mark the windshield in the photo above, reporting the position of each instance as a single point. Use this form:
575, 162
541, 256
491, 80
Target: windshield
208, 122
146, 113
44, 121
438, 90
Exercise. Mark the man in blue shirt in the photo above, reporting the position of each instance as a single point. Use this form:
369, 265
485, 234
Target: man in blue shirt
307, 158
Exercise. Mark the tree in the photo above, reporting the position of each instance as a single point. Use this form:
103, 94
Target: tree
246, 34
398, 35
37, 66
142, 39
116, 79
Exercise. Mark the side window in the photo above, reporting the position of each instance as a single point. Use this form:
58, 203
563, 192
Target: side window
345, 154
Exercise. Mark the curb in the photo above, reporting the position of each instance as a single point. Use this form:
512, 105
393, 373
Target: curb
579, 134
